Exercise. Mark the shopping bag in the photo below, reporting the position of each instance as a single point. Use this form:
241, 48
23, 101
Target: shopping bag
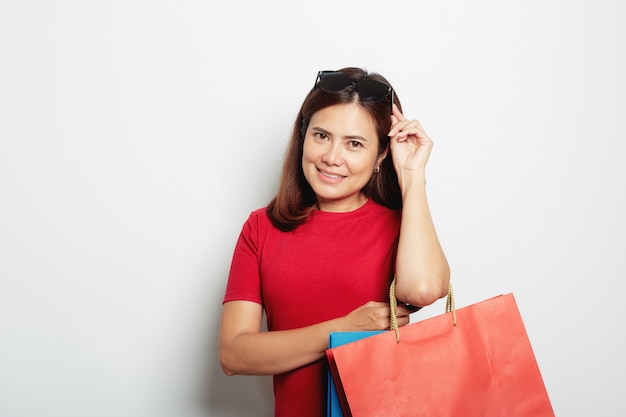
476, 361
333, 402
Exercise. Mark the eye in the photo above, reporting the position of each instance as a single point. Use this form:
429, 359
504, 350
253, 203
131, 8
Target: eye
355, 144
320, 135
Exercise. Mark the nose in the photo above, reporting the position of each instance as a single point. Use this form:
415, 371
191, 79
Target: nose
333, 155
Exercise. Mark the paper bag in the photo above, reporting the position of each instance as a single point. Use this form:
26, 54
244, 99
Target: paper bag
483, 366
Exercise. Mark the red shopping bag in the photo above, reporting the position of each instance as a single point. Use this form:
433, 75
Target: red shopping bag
483, 366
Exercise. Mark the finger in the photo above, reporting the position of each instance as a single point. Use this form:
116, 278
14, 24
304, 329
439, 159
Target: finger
403, 321
403, 311
406, 127
396, 118
398, 114
411, 129
405, 135
398, 127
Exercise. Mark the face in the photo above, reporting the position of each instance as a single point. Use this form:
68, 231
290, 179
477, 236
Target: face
340, 155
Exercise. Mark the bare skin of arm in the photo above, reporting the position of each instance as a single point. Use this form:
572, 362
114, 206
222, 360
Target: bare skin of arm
422, 271
246, 350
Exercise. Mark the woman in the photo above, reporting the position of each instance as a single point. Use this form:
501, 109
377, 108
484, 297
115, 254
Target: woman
350, 213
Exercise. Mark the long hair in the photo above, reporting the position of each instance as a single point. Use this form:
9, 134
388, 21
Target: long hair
295, 198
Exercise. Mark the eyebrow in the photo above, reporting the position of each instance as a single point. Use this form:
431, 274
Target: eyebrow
349, 137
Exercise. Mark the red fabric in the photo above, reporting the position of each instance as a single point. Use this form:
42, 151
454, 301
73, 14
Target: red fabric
322, 270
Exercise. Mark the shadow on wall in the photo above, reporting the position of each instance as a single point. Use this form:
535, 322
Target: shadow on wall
238, 396
231, 396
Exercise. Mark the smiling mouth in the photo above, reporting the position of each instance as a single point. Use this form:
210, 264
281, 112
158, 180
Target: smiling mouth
329, 175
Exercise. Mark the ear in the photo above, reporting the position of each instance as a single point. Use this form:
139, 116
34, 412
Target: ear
382, 156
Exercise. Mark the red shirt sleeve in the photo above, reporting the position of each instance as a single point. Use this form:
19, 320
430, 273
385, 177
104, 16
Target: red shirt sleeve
244, 281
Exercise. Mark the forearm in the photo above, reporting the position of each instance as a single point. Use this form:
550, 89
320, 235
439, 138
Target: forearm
422, 271
275, 352
245, 350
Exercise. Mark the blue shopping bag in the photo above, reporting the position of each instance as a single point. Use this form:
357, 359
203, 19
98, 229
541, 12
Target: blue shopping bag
338, 339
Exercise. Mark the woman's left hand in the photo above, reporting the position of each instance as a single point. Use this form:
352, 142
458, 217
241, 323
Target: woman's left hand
410, 145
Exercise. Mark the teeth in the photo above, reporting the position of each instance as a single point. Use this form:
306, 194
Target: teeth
331, 176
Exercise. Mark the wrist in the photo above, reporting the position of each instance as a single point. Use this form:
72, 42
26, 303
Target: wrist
337, 325
411, 180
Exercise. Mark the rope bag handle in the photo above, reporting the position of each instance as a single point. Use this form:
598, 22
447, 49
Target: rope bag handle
393, 304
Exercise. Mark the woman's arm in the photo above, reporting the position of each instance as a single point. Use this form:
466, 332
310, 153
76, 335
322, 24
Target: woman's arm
422, 271
245, 349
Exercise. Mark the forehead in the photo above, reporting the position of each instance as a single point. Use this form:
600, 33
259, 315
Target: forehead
345, 119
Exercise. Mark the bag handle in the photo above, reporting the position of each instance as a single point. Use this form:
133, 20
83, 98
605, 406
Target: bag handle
393, 303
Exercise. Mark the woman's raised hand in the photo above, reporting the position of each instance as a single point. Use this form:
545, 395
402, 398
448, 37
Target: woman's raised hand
410, 145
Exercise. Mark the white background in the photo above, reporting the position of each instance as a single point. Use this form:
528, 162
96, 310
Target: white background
136, 137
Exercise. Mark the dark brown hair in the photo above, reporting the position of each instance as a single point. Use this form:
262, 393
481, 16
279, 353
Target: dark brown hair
295, 198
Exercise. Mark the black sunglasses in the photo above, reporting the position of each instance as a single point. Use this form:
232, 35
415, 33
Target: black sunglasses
368, 90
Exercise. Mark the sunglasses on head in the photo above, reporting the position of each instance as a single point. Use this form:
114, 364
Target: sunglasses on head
368, 90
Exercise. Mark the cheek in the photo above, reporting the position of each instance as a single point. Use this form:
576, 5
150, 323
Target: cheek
306, 152
310, 153
364, 164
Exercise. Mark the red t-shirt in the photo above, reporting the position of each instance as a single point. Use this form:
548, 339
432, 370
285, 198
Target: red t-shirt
324, 269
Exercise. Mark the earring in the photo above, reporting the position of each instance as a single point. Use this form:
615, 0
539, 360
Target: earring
377, 169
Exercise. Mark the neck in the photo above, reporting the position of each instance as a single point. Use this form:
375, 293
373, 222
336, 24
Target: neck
342, 207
